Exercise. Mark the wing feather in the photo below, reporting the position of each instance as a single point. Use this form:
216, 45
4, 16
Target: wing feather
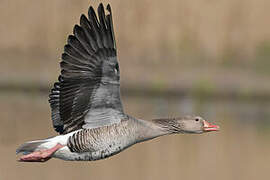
87, 92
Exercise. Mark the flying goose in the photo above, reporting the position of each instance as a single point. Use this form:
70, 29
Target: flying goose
85, 102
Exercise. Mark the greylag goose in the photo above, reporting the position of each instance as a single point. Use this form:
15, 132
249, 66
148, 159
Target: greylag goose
85, 102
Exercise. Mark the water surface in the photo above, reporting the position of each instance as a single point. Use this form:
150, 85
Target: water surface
239, 151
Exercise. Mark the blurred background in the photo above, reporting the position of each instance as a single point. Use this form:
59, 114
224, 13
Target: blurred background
177, 57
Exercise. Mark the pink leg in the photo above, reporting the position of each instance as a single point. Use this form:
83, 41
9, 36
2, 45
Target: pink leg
40, 156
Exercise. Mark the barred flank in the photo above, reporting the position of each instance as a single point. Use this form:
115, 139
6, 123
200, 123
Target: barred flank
77, 142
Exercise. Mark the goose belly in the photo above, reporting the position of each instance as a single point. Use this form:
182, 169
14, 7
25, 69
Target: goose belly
93, 144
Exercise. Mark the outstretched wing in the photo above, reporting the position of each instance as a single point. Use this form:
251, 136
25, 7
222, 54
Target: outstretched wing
87, 93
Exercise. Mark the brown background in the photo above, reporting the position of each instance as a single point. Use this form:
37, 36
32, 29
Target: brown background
205, 57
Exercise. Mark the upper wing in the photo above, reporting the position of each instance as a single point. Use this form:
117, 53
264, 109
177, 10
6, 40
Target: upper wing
87, 92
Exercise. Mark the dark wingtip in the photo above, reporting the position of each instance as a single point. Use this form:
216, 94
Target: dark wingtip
83, 19
101, 10
100, 7
109, 8
76, 28
91, 10
70, 38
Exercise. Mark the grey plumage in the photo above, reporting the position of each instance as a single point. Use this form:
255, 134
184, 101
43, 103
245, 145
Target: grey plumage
89, 80
102, 142
86, 105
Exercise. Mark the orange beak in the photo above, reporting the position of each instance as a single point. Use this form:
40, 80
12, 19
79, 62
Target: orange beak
207, 127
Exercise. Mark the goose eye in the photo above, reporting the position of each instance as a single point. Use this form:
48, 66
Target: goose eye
197, 119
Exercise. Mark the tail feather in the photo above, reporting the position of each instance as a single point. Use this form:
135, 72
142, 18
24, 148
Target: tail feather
30, 146
48, 143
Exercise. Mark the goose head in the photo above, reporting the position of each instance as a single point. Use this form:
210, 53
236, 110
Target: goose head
195, 124
187, 124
